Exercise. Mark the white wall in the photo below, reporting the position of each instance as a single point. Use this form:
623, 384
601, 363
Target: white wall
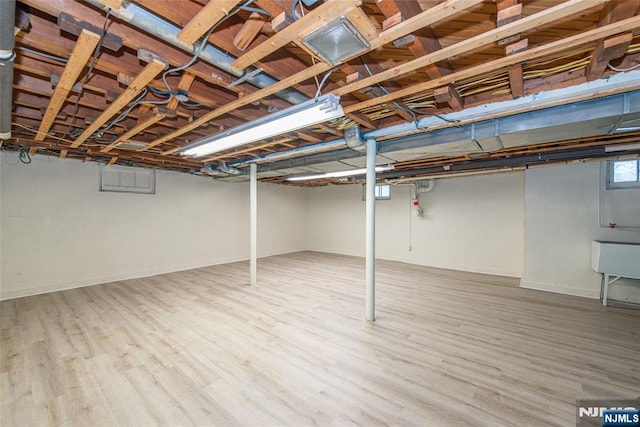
58, 231
561, 220
469, 223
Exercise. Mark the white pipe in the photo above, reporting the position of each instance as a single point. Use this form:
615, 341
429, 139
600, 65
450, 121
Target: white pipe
253, 225
454, 175
370, 263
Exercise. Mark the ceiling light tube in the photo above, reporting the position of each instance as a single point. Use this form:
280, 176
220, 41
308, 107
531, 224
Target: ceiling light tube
338, 174
314, 111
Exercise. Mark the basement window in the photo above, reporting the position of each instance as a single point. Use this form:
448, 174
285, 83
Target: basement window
620, 194
383, 192
623, 174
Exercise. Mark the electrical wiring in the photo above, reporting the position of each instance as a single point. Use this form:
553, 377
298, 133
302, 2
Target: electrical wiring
92, 65
42, 54
36, 131
254, 9
622, 70
171, 93
23, 155
295, 4
322, 82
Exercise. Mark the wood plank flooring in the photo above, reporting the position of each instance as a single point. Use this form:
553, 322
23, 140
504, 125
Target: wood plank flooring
201, 347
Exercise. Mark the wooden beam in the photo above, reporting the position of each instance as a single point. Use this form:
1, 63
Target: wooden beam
134, 131
63, 154
113, 4
424, 41
543, 17
361, 119
146, 75
112, 160
186, 80
320, 15
532, 54
245, 100
208, 16
507, 13
618, 10
516, 80
451, 97
428, 17
270, 6
249, 30
79, 56
607, 50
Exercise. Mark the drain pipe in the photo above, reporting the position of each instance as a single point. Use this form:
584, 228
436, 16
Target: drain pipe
7, 44
158, 27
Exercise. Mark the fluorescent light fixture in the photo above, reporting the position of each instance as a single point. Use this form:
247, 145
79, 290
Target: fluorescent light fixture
338, 174
314, 111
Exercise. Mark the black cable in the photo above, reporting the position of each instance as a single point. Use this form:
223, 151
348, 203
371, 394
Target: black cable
96, 52
254, 9
23, 155
293, 9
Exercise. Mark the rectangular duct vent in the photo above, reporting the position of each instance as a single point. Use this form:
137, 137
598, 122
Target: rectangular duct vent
127, 180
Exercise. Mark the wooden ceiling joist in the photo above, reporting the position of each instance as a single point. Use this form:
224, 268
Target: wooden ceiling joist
209, 16
425, 54
605, 52
442, 11
134, 131
81, 53
186, 80
546, 16
532, 54
146, 75
249, 30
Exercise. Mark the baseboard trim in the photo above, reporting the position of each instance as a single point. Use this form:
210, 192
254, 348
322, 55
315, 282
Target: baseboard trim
7, 295
585, 293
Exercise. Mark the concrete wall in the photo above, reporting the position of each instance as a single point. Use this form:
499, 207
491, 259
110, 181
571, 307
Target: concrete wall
58, 231
469, 223
561, 220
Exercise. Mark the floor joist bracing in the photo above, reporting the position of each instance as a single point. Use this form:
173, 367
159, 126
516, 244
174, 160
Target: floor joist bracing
201, 347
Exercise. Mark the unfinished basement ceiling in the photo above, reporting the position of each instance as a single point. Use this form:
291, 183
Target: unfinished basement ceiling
106, 96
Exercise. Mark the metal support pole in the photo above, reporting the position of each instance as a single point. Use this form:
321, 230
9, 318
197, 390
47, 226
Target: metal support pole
253, 224
370, 276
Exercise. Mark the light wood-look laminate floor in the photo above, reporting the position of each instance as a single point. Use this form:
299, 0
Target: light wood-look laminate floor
201, 347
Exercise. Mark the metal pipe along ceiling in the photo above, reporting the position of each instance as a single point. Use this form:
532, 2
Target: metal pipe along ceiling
160, 28
391, 138
7, 44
